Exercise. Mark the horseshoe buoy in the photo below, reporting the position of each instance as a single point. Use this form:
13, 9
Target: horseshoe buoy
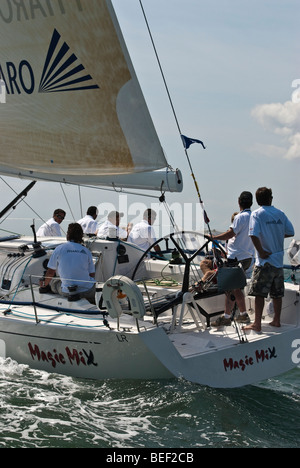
111, 296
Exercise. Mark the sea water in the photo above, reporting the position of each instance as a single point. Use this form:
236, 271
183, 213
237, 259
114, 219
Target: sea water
44, 410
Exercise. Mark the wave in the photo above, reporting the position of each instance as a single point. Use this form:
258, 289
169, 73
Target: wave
49, 410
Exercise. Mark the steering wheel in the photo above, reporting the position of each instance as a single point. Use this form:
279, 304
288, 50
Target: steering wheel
179, 241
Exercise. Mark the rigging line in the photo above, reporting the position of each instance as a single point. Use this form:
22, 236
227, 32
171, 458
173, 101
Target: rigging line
160, 67
127, 192
174, 113
24, 201
10, 232
9, 213
80, 200
171, 217
181, 240
67, 201
167, 88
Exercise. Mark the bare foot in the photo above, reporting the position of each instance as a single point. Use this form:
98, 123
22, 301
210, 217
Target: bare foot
275, 324
253, 327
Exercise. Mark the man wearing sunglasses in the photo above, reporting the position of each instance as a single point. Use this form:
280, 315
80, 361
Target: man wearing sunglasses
52, 227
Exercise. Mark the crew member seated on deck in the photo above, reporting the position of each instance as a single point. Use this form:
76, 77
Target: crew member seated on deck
52, 227
209, 268
89, 223
111, 227
142, 234
73, 262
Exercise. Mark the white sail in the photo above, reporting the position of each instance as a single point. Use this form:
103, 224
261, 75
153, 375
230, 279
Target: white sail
74, 110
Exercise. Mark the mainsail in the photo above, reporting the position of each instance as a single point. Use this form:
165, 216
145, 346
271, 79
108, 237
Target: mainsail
74, 111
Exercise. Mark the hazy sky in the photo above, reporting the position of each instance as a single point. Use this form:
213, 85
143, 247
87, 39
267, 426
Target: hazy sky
231, 67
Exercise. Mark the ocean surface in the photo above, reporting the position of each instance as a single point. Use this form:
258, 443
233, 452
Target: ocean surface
44, 410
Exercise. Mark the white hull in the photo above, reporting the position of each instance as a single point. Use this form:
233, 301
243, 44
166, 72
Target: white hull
83, 347
73, 340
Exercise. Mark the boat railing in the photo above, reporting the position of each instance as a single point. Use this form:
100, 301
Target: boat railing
33, 295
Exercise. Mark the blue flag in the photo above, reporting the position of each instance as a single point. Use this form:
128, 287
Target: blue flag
188, 141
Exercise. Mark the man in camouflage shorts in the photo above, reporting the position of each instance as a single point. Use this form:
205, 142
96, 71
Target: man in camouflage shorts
267, 279
267, 228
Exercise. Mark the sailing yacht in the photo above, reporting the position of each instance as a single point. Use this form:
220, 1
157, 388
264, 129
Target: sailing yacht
75, 114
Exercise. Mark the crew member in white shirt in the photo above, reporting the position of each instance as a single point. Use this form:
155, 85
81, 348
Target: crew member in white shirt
74, 264
111, 228
268, 228
89, 223
240, 249
143, 234
52, 227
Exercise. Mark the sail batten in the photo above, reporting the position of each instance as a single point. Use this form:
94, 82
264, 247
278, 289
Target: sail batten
74, 107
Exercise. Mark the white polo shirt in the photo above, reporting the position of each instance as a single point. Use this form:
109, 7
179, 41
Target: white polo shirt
271, 226
73, 262
88, 224
51, 228
142, 235
109, 229
241, 246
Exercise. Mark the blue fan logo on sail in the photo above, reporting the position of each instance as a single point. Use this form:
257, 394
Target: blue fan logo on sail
61, 71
